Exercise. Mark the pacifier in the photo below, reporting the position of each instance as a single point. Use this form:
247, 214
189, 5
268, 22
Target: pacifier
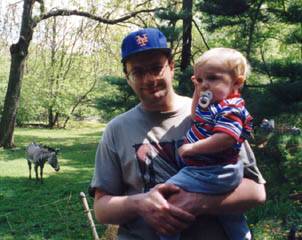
205, 99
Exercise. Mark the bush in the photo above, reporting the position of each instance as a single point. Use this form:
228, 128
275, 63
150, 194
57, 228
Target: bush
116, 96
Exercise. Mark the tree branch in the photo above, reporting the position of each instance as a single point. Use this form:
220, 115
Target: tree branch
203, 38
256, 86
79, 101
265, 65
66, 12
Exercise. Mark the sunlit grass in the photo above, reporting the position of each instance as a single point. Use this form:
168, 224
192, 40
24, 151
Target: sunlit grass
30, 210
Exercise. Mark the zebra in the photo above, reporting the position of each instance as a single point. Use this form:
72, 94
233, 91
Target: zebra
38, 154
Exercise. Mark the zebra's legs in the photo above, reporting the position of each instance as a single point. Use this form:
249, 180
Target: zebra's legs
41, 173
36, 171
29, 168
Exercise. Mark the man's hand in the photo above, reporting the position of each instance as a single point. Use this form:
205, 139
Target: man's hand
188, 201
247, 195
164, 217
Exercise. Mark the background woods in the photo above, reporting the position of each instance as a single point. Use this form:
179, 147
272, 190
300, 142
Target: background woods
60, 63
69, 43
19, 52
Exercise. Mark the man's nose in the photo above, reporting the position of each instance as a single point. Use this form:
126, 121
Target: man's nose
148, 77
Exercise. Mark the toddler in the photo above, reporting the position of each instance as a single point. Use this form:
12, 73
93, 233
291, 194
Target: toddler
220, 124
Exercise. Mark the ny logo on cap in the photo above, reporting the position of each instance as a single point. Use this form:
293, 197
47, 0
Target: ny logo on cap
142, 40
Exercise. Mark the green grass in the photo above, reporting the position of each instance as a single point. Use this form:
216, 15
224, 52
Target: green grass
282, 171
52, 210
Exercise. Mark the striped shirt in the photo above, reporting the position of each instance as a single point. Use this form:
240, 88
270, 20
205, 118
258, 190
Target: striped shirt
228, 116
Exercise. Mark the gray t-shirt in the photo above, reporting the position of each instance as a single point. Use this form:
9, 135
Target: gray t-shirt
139, 150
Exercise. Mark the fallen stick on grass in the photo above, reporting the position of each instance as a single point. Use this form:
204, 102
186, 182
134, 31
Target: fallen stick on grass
89, 216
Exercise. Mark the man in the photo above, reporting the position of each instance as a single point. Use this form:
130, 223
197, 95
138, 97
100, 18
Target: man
138, 151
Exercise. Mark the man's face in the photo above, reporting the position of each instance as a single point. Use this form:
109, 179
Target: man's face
150, 75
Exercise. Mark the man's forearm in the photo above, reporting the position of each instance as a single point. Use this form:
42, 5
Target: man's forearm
152, 206
247, 195
114, 209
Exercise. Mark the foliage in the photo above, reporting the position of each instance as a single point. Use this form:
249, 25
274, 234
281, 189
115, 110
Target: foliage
53, 210
169, 23
58, 79
288, 92
279, 158
185, 77
224, 7
286, 150
267, 103
115, 97
268, 32
3, 79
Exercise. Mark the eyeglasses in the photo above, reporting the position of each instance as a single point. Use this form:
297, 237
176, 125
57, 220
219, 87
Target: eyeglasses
139, 73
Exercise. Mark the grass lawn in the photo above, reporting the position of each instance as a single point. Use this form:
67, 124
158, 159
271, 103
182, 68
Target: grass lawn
52, 210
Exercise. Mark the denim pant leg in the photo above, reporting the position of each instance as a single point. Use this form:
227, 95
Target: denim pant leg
235, 226
213, 180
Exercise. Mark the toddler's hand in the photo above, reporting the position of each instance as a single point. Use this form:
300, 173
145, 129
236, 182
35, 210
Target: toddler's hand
185, 150
197, 85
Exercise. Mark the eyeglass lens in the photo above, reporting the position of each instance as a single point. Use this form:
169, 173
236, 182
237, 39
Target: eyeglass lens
141, 72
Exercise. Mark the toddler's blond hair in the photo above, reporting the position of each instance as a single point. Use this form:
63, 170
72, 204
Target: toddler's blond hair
233, 60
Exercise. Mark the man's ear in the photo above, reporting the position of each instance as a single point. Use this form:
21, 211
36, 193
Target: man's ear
125, 71
172, 65
128, 81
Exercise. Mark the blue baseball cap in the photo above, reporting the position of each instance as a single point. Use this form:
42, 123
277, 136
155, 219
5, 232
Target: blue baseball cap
143, 40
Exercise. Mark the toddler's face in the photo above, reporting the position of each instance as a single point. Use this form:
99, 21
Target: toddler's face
214, 76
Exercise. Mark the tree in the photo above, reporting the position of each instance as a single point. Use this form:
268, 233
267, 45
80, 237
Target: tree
118, 96
19, 52
180, 37
269, 33
185, 62
287, 71
241, 16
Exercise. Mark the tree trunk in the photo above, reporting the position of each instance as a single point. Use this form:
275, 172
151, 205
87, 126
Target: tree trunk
187, 35
186, 42
52, 77
252, 28
50, 118
18, 52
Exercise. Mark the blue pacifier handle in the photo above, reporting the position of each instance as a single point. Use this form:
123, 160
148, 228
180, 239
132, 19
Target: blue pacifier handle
205, 99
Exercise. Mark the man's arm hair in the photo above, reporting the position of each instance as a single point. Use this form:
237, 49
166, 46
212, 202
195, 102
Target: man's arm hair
165, 218
113, 209
247, 195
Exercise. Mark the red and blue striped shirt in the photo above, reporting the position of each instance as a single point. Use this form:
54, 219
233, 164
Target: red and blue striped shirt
228, 116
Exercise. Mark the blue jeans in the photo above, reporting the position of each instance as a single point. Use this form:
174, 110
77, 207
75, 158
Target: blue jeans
214, 180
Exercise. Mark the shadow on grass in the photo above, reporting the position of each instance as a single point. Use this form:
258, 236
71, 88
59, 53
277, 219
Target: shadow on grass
72, 146
52, 210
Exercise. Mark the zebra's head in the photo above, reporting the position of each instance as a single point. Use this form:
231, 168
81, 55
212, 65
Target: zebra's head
53, 160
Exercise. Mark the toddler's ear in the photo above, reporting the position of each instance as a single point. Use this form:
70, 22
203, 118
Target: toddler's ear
239, 80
